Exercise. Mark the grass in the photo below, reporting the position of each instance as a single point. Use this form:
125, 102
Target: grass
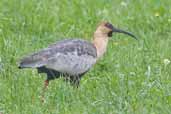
134, 77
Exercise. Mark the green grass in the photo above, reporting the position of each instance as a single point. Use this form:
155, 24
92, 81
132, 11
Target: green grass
132, 77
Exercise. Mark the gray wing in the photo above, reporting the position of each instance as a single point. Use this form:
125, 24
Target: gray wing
64, 56
34, 60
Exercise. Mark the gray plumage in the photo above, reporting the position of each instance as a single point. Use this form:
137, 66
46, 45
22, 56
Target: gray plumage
72, 57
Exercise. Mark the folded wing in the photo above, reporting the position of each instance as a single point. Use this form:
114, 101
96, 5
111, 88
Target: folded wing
66, 56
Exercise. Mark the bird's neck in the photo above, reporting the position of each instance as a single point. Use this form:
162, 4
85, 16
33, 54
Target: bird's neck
100, 42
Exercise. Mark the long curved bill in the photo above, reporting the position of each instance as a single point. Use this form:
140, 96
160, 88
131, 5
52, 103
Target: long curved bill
124, 32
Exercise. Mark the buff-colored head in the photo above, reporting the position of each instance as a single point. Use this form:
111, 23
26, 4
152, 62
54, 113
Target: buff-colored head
107, 29
102, 34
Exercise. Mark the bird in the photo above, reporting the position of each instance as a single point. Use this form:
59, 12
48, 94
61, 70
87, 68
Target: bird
71, 58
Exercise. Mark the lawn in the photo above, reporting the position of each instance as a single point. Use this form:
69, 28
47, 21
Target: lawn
134, 77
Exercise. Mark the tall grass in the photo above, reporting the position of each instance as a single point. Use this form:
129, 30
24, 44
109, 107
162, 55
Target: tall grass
134, 77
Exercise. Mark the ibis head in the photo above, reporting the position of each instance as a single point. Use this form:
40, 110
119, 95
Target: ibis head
102, 34
108, 29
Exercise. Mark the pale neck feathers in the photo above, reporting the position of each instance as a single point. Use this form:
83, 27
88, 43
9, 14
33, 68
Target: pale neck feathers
100, 42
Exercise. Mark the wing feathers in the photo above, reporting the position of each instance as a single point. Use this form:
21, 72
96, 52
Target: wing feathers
41, 58
35, 60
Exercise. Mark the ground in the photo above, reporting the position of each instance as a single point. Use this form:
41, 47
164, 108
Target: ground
134, 77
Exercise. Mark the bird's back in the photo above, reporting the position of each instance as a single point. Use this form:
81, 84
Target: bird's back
73, 56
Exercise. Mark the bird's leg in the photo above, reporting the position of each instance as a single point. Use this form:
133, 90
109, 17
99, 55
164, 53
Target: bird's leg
75, 80
46, 83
